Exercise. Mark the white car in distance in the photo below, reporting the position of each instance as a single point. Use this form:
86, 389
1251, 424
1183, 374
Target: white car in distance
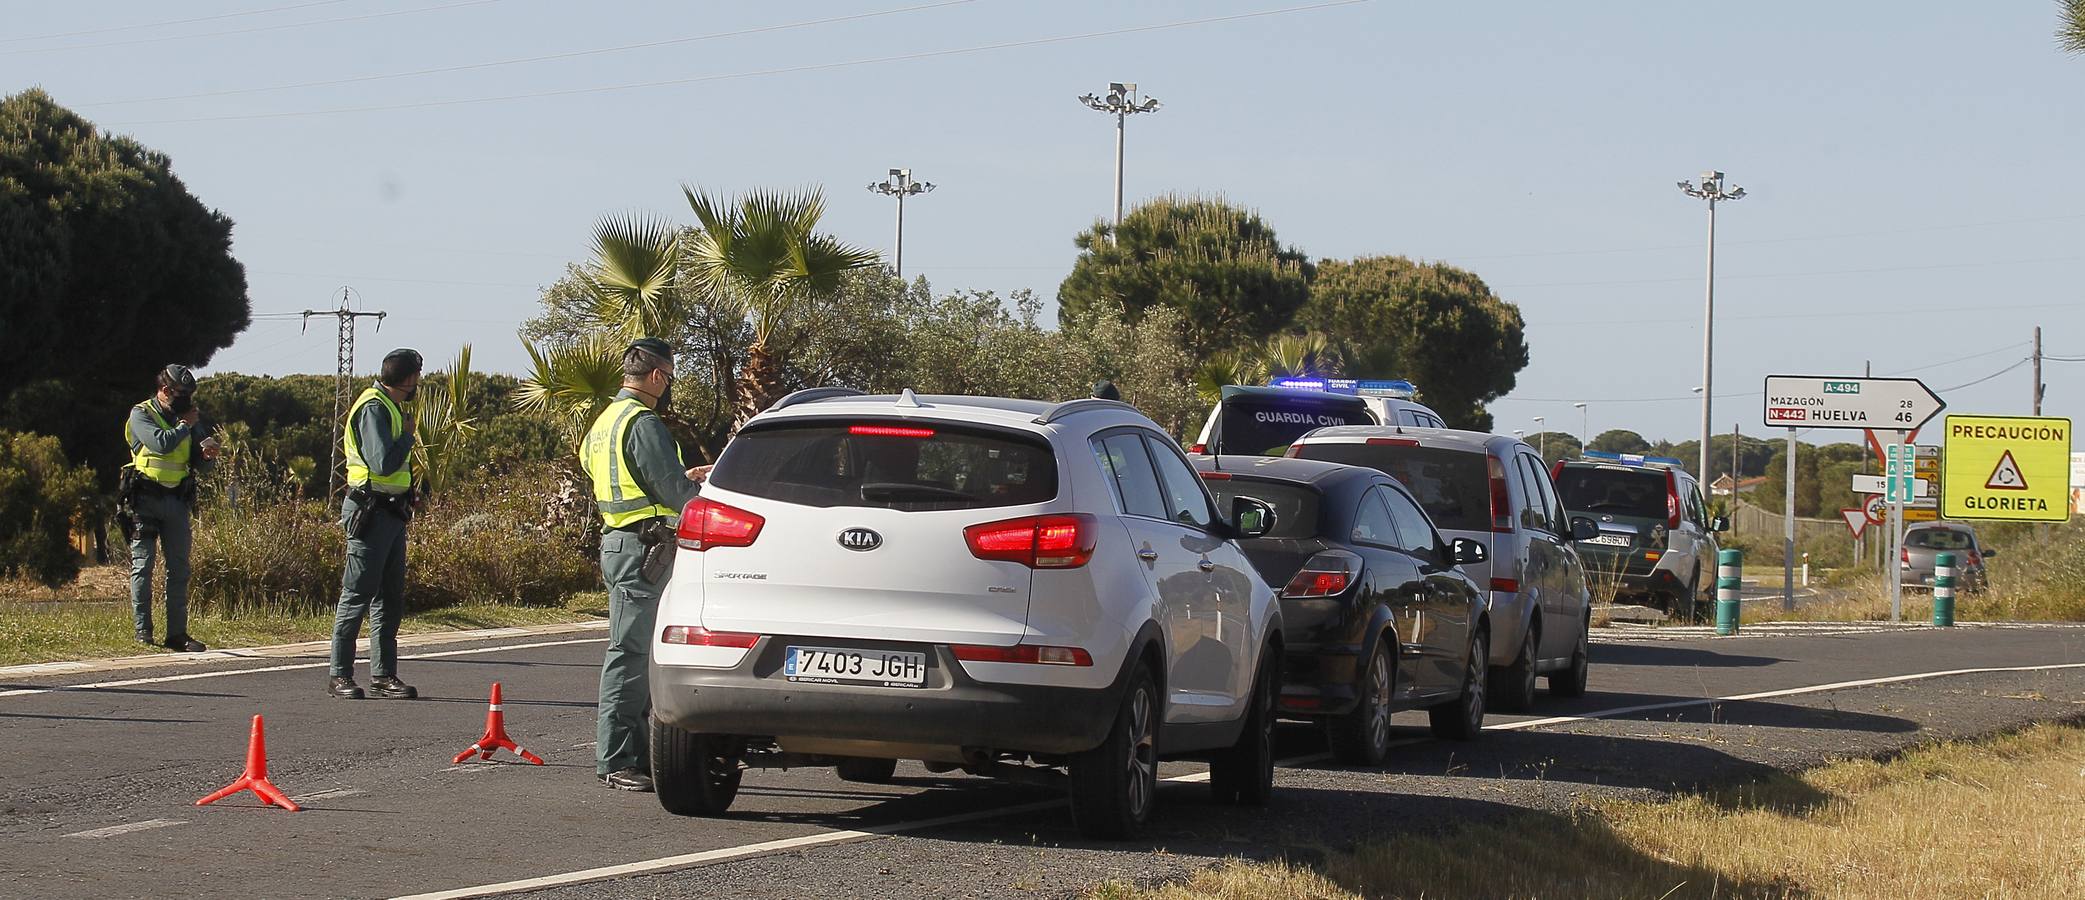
1009, 588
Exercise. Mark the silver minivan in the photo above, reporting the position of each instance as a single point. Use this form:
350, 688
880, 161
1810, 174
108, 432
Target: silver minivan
1493, 489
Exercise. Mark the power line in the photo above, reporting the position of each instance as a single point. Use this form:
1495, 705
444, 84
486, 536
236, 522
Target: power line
758, 73
2021, 362
2013, 346
1782, 240
533, 59
1870, 271
114, 28
258, 29
1778, 316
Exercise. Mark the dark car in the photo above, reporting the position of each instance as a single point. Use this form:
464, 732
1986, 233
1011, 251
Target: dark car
1376, 615
1923, 544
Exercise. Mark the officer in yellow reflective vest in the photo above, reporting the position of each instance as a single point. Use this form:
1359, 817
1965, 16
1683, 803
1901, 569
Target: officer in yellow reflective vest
639, 486
166, 452
378, 444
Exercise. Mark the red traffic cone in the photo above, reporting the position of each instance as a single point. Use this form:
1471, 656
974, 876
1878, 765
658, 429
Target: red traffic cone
496, 734
255, 778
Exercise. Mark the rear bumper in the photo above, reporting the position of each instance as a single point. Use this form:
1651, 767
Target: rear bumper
1319, 679
753, 698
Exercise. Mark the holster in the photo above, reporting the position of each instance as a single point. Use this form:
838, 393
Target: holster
126, 504
659, 545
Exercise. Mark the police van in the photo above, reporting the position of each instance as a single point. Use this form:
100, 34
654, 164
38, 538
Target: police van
1263, 421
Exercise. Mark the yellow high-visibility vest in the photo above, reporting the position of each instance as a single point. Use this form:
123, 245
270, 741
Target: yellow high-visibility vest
169, 469
616, 491
358, 473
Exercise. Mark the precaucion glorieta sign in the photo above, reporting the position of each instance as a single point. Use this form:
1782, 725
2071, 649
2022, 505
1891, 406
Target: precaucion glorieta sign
2007, 467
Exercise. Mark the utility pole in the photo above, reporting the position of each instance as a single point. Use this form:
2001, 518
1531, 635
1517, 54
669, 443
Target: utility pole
1542, 438
343, 373
2039, 387
1121, 102
901, 186
1712, 190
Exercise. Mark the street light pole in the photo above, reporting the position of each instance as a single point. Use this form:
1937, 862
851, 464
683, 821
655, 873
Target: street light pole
1585, 426
901, 185
1121, 102
1542, 439
1712, 190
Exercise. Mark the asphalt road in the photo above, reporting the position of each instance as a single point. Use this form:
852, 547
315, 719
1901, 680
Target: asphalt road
99, 771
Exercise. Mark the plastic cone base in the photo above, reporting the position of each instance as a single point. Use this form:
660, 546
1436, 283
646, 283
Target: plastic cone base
496, 735
255, 778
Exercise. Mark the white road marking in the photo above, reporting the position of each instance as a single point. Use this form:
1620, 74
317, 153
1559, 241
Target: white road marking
125, 828
433, 638
1762, 695
765, 848
192, 676
334, 794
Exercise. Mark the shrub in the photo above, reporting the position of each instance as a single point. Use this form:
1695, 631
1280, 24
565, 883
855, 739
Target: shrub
40, 497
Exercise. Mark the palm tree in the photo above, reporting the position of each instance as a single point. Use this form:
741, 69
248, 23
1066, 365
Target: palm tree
633, 288
2070, 29
442, 424
761, 256
572, 381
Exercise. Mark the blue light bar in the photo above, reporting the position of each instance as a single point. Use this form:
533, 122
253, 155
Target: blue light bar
1361, 387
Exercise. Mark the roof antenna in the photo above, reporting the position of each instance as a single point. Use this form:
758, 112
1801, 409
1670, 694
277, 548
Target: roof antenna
907, 399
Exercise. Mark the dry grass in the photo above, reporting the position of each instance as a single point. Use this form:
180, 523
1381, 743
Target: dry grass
95, 627
2039, 576
1999, 818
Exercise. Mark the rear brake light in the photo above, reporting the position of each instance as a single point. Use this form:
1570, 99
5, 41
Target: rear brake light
1038, 542
1296, 451
1974, 559
1302, 702
1325, 575
707, 523
1507, 585
1393, 442
1216, 476
1556, 470
1672, 499
1032, 654
1199, 449
1906, 555
890, 431
1501, 503
698, 636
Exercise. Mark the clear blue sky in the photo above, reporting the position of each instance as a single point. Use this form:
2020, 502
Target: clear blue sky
1911, 167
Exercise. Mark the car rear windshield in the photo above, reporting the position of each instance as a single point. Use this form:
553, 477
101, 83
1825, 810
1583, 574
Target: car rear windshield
1266, 426
1939, 539
1614, 492
1295, 505
1453, 485
888, 465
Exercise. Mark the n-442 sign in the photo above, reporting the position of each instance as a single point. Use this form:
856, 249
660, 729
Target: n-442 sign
1884, 404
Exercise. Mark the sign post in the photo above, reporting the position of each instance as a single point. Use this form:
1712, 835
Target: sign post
1896, 407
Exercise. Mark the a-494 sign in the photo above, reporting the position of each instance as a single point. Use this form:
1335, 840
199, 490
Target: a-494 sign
1884, 404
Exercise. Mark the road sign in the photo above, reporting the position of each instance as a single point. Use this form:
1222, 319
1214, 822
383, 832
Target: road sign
1856, 521
1921, 514
1877, 509
1809, 401
2007, 467
1877, 484
1902, 461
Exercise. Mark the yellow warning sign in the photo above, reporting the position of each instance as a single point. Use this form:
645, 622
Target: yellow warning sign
2006, 467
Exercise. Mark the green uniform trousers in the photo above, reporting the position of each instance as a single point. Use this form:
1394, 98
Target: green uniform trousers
622, 734
374, 586
163, 520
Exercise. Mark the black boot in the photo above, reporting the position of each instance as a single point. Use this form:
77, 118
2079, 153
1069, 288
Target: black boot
344, 687
145, 637
185, 644
388, 687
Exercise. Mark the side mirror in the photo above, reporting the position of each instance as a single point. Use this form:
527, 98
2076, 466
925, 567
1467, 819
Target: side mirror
1467, 552
1719, 523
1584, 529
1251, 518
1990, 552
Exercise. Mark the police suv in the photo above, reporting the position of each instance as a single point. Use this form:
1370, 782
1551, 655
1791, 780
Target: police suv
1264, 421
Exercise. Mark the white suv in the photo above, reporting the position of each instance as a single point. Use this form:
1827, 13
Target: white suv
1006, 587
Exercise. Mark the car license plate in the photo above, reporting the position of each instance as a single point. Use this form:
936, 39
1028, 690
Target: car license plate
1610, 540
834, 665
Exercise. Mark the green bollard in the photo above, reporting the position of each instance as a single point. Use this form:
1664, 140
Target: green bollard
1730, 565
1944, 590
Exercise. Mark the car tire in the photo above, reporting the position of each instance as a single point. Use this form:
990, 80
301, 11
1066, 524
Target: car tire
1512, 687
693, 774
1462, 719
1362, 737
1571, 682
866, 771
1243, 775
1115, 785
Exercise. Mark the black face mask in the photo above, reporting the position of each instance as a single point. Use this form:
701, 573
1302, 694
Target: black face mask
409, 395
666, 395
181, 403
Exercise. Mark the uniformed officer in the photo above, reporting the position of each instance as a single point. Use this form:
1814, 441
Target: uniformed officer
378, 443
165, 456
639, 486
